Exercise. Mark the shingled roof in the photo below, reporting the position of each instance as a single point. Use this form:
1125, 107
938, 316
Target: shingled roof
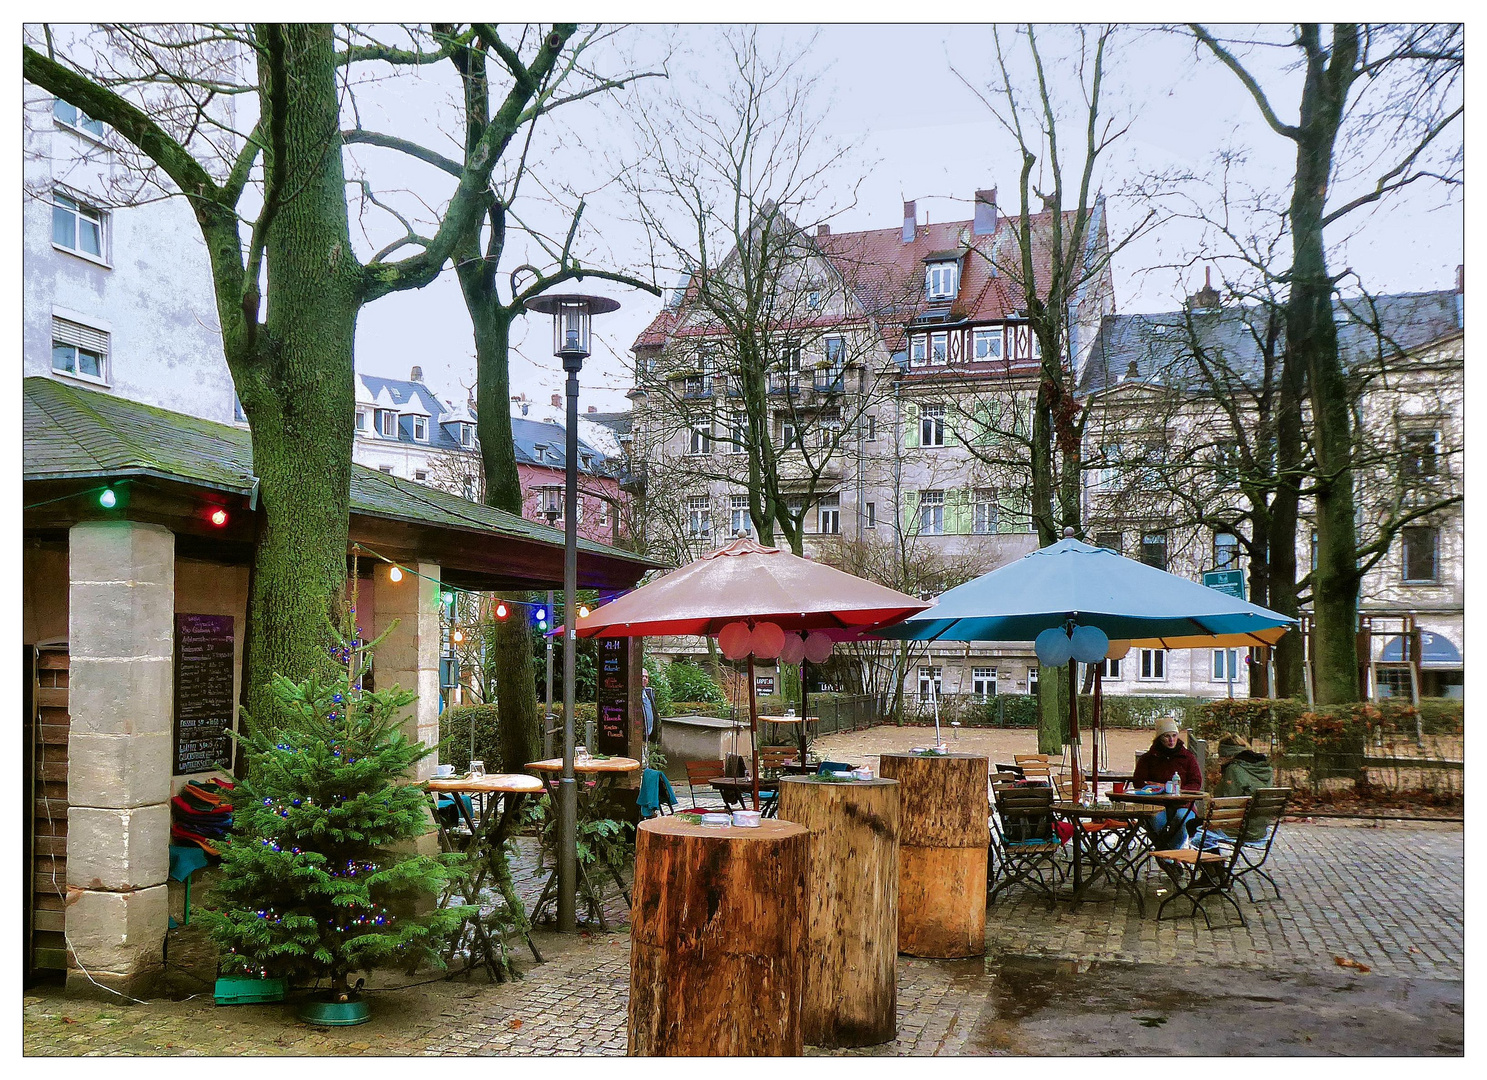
69, 432
1160, 346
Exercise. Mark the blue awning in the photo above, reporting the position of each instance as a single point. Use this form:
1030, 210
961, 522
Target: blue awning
1436, 651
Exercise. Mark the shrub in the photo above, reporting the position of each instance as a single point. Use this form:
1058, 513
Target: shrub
722, 710
1250, 717
690, 683
660, 684
454, 736
1443, 716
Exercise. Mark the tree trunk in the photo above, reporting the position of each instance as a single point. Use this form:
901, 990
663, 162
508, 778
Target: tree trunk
1284, 516
1311, 336
296, 384
943, 837
1053, 713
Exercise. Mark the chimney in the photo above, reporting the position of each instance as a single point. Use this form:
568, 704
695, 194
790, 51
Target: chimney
1206, 298
1132, 371
416, 375
911, 216
557, 401
1461, 277
984, 223
823, 230
593, 408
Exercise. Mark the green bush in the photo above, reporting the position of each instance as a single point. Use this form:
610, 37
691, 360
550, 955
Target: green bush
454, 736
1139, 710
660, 684
690, 683
721, 710
582, 711
1443, 716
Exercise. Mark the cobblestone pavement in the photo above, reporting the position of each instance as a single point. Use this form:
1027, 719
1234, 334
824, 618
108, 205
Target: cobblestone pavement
1387, 896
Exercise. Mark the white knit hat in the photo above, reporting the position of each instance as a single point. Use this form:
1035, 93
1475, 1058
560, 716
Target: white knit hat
1167, 726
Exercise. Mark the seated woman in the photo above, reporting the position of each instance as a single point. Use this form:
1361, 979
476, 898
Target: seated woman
1168, 755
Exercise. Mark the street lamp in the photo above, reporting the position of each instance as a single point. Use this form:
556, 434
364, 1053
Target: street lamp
571, 319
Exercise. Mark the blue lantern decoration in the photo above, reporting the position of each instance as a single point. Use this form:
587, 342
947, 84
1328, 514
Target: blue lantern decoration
1089, 644
1053, 647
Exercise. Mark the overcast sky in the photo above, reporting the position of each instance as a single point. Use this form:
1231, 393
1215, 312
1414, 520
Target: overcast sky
918, 132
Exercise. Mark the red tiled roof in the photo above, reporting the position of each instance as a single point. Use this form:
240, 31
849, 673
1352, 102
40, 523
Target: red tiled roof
887, 275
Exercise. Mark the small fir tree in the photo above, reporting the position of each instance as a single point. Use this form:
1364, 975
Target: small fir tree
311, 887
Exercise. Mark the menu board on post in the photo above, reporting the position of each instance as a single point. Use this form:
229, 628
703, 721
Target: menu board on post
613, 736
203, 693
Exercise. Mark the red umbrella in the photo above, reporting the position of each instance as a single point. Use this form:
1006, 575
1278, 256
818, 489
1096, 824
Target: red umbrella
746, 582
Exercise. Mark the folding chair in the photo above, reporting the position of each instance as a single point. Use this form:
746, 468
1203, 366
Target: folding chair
1041, 767
1023, 844
1267, 807
771, 764
699, 776
1199, 872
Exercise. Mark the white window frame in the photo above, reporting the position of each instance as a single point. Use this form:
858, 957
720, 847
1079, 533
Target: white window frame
788, 434
918, 348
941, 279
987, 335
421, 475
1032, 680
1404, 554
931, 676
387, 425
932, 425
1153, 665
421, 429
740, 431
870, 511
79, 124
81, 212
699, 516
983, 683
467, 434
739, 518
872, 428
362, 422
939, 347
82, 340
700, 440
1219, 671
932, 513
602, 517
1145, 543
1109, 668
1231, 550
829, 515
984, 512
388, 469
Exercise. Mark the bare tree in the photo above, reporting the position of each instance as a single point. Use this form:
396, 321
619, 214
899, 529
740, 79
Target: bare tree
1404, 80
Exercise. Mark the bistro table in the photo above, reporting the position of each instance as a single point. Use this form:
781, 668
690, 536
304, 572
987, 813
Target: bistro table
1112, 853
487, 852
603, 771
811, 723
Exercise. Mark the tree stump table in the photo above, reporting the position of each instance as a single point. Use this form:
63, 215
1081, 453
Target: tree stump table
851, 951
944, 834
717, 939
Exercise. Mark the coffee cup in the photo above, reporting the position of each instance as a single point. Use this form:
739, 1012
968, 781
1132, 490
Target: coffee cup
444, 772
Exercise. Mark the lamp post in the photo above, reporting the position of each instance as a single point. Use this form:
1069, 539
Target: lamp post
571, 318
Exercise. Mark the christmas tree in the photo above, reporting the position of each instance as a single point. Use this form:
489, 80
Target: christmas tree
311, 887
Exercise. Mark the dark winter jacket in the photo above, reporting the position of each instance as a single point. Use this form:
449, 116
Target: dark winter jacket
1244, 773
1157, 765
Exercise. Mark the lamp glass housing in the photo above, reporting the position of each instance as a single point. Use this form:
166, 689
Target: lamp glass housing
570, 328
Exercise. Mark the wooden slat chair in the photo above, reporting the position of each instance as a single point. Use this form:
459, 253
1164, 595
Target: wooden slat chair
771, 764
699, 781
1042, 767
1267, 807
1198, 872
1023, 847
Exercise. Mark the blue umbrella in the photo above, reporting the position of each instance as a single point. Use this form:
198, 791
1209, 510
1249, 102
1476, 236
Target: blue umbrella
1071, 584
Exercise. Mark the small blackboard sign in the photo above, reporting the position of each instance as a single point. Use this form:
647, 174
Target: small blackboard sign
613, 736
203, 692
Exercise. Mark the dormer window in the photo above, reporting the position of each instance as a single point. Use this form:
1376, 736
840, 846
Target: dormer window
362, 423
941, 280
539, 451
467, 434
421, 428
586, 460
387, 423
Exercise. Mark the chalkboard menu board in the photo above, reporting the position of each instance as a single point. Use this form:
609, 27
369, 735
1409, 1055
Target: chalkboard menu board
203, 692
613, 736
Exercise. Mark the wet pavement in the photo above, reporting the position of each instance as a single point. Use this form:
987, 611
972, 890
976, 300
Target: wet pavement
1094, 979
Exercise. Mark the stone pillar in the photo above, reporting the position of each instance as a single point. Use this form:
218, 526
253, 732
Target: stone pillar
409, 657
121, 605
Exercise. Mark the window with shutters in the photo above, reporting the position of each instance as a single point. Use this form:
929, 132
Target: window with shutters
932, 512
932, 425
984, 511
80, 351
78, 228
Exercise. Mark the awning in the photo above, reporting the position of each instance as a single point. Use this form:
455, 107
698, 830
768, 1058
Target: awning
1436, 651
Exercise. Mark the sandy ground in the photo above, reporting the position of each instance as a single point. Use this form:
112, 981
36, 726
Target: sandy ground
1120, 746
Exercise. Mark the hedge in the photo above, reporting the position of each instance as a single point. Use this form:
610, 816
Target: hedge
454, 736
691, 683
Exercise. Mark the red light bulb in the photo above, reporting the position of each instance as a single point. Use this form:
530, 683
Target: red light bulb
219, 517
501, 611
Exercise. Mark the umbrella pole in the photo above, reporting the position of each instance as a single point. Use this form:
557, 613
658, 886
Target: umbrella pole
1077, 772
1094, 772
804, 712
753, 741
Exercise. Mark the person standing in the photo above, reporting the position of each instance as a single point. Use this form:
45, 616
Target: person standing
1168, 755
648, 706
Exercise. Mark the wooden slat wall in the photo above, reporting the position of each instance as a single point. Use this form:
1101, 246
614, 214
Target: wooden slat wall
49, 831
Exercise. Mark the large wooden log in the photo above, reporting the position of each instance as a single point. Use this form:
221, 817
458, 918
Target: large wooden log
851, 957
943, 837
717, 939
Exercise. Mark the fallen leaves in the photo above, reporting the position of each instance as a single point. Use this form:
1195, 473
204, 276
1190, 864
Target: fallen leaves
1344, 962
515, 1025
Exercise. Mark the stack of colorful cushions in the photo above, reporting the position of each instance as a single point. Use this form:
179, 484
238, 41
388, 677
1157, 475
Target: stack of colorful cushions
201, 815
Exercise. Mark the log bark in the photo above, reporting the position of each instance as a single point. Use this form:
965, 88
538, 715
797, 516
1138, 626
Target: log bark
851, 957
717, 940
943, 837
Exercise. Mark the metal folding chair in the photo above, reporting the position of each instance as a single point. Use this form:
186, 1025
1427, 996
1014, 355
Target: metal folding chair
1268, 806
1199, 872
1023, 844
